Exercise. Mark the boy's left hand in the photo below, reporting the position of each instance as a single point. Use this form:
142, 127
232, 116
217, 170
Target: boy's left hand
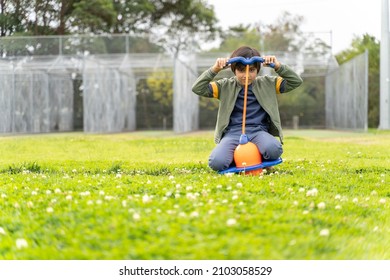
268, 59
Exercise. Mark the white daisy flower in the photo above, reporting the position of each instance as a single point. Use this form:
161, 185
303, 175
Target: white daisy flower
324, 232
182, 215
312, 192
136, 216
231, 222
190, 196
21, 243
146, 199
321, 205
194, 214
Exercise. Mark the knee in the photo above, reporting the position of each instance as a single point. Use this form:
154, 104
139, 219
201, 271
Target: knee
219, 163
272, 151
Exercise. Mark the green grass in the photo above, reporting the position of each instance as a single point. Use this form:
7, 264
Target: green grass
150, 195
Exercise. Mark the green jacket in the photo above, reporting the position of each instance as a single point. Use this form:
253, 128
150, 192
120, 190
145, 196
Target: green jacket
265, 89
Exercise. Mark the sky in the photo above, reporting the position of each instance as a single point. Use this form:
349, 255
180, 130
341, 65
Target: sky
335, 21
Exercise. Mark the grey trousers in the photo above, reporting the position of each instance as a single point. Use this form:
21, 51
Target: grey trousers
221, 157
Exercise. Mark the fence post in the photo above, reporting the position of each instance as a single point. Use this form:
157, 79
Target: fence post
295, 121
185, 102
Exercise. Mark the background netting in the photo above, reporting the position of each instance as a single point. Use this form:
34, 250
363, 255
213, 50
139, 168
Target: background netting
124, 83
346, 95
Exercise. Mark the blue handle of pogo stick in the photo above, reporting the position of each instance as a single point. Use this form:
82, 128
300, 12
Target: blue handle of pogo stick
248, 61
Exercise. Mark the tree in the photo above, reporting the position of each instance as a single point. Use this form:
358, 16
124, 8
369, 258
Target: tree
155, 96
160, 84
64, 10
92, 16
133, 16
358, 46
12, 16
284, 35
183, 24
237, 36
176, 25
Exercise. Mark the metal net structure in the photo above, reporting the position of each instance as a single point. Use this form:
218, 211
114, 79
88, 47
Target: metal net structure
71, 83
347, 95
120, 83
302, 108
185, 104
108, 96
35, 100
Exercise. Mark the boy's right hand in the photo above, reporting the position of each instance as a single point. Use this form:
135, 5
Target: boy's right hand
220, 64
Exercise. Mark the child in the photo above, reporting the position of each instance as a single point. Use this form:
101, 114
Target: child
262, 114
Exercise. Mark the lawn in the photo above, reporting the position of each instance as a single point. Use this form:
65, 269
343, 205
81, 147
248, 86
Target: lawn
150, 195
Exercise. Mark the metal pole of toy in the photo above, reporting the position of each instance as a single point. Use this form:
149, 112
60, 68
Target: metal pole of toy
245, 98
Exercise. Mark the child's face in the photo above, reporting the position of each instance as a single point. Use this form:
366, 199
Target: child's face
241, 74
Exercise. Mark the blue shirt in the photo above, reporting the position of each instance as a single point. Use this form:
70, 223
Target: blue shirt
256, 116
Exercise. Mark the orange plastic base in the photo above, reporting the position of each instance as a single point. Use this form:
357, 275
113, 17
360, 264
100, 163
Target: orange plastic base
247, 155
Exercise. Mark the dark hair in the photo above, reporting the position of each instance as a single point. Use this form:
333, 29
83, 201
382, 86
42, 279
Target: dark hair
246, 52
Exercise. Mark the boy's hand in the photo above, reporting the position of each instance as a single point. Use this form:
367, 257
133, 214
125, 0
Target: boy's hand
268, 59
220, 64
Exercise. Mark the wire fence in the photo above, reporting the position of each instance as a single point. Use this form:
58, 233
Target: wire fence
125, 83
347, 95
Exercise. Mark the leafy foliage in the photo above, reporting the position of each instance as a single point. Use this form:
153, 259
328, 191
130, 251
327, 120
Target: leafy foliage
284, 34
92, 16
174, 24
184, 24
